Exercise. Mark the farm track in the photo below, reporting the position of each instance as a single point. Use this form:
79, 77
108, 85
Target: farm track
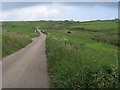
27, 68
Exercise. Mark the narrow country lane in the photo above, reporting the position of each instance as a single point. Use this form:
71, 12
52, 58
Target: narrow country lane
27, 68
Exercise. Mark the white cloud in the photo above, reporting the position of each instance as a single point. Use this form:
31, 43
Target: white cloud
58, 11
35, 12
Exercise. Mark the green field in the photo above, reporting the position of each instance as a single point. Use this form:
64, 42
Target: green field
109, 27
80, 54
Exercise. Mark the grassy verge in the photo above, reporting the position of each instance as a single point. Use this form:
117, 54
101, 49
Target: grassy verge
12, 42
77, 61
16, 35
74, 63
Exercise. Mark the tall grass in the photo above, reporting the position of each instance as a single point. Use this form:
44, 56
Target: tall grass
75, 60
77, 64
12, 42
16, 35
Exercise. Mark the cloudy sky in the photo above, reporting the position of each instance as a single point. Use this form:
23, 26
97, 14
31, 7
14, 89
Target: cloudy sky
25, 11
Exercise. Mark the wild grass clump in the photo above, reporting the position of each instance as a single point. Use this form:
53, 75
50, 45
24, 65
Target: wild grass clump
17, 35
12, 42
75, 62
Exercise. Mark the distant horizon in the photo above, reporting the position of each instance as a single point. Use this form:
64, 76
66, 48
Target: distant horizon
63, 20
